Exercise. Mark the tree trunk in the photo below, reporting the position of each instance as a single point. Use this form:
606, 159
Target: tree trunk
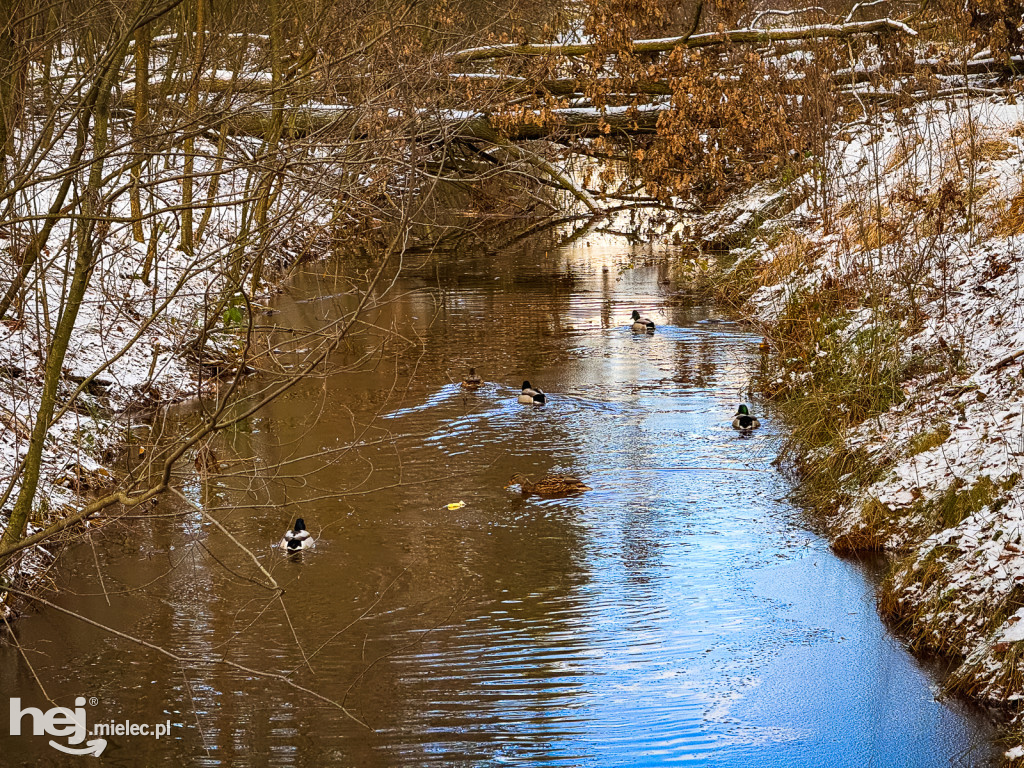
264, 193
9, 76
188, 171
813, 32
139, 127
84, 264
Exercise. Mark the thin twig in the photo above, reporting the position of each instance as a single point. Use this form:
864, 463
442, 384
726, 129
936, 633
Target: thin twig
186, 660
14, 639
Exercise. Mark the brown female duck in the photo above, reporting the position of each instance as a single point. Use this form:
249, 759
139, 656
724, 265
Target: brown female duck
549, 485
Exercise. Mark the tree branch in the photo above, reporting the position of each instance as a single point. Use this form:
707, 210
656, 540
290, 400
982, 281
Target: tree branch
784, 34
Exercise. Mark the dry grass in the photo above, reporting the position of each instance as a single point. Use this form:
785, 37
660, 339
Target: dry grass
903, 151
957, 504
792, 253
848, 209
968, 145
916, 598
870, 533
970, 681
977, 192
925, 441
916, 618
1007, 217
825, 381
872, 232
935, 619
994, 149
1006, 677
960, 141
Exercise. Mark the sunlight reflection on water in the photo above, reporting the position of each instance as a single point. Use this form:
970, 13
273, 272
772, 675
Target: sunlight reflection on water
679, 612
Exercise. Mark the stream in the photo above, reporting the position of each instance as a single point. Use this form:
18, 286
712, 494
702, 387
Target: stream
682, 611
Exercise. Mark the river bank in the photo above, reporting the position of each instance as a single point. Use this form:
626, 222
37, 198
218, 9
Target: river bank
159, 323
888, 295
891, 302
678, 611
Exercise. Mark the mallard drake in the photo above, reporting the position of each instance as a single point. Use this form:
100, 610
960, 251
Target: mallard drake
549, 485
472, 381
743, 421
531, 395
642, 324
298, 538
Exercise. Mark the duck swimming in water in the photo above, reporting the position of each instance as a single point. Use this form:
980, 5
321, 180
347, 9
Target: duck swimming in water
531, 395
642, 324
472, 381
549, 485
298, 538
743, 421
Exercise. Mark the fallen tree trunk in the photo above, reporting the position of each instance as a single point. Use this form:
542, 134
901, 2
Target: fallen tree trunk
586, 122
815, 32
564, 86
259, 83
220, 81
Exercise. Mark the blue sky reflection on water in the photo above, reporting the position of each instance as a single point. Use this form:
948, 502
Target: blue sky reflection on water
680, 613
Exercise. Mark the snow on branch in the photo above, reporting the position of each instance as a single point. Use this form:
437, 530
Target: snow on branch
794, 12
582, 121
782, 34
861, 7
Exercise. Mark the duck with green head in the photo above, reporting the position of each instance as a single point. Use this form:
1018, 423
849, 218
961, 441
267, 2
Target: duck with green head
298, 538
743, 421
531, 395
642, 324
472, 381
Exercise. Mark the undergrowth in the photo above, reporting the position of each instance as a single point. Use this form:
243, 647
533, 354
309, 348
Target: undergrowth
867, 307
828, 374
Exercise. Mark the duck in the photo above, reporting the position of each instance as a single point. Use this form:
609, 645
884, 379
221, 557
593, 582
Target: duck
743, 421
298, 538
472, 381
531, 395
549, 485
642, 324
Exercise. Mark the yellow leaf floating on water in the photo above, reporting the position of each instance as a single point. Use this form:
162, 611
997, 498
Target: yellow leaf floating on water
457, 505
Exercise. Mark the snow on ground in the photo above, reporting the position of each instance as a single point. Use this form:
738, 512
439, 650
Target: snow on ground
925, 226
135, 332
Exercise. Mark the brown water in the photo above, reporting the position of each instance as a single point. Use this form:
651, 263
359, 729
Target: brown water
681, 612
